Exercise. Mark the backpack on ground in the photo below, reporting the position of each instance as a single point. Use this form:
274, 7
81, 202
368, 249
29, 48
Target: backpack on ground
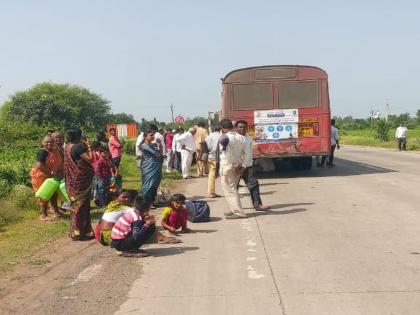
198, 211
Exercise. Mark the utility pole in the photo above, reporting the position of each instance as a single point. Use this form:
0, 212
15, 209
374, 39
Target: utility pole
172, 111
387, 109
371, 116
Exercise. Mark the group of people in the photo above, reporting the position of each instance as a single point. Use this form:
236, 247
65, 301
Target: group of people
178, 148
86, 169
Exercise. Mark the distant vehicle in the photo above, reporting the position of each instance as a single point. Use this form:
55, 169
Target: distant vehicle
287, 109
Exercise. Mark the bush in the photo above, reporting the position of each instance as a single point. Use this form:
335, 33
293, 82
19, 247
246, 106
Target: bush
4, 188
23, 198
129, 145
381, 130
9, 213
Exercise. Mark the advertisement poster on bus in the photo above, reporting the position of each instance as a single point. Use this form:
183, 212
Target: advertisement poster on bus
276, 116
275, 125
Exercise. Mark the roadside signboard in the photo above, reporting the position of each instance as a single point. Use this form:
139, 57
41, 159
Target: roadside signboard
179, 120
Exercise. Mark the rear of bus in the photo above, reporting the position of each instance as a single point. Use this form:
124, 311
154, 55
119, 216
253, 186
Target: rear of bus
287, 110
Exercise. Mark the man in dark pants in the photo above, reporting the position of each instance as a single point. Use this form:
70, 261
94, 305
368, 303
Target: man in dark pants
334, 145
249, 174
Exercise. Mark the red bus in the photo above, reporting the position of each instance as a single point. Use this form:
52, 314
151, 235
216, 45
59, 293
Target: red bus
287, 109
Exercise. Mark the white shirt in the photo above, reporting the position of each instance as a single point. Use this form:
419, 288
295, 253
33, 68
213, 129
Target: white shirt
235, 152
248, 152
188, 140
334, 135
401, 132
176, 147
212, 144
140, 140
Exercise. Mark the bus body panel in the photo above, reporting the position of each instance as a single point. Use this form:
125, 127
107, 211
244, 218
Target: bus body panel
315, 120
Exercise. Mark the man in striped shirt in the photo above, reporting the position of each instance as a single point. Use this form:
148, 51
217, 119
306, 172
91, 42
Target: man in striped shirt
133, 229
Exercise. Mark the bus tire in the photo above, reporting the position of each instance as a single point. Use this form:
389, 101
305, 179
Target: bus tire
306, 163
303, 163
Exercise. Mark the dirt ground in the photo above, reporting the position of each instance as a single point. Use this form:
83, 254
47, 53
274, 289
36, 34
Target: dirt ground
74, 277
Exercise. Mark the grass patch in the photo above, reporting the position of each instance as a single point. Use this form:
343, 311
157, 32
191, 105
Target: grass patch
20, 240
365, 138
39, 261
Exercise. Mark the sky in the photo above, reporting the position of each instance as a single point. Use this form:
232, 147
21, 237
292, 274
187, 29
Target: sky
144, 56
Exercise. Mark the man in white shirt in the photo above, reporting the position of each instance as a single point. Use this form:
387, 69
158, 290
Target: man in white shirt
212, 141
187, 142
232, 157
176, 148
249, 174
334, 143
401, 136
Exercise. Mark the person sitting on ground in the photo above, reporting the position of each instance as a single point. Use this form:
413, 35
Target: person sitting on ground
133, 229
175, 216
115, 210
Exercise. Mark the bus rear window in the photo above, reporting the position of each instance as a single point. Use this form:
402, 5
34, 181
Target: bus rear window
253, 96
298, 94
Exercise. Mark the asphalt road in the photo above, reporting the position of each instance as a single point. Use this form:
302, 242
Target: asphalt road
338, 241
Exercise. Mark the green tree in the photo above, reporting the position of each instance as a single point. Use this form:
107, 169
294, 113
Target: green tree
120, 118
61, 105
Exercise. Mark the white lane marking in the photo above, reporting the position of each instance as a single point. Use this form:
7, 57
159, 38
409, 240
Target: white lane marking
88, 273
252, 274
251, 258
251, 243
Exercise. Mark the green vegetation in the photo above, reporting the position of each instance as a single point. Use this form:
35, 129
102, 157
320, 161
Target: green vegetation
64, 105
378, 132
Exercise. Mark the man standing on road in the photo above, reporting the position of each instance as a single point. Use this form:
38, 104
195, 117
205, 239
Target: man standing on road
212, 141
334, 143
232, 157
249, 174
401, 136
187, 142
200, 140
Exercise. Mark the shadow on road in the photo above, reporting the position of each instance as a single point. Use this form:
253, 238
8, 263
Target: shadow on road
284, 205
268, 212
203, 231
214, 219
169, 251
272, 184
343, 167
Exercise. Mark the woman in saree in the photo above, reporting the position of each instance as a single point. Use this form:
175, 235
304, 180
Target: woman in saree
114, 211
151, 166
49, 164
78, 174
